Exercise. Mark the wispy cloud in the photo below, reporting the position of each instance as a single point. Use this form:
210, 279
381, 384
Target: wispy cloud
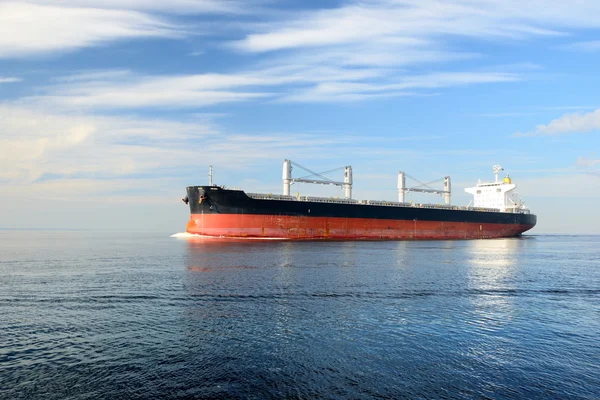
180, 91
414, 23
173, 6
419, 24
9, 79
122, 89
35, 143
568, 123
28, 29
505, 114
588, 46
96, 76
40, 27
418, 85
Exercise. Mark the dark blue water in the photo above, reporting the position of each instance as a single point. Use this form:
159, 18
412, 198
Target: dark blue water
135, 316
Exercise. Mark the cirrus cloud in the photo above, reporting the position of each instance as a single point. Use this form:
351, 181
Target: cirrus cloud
28, 29
9, 79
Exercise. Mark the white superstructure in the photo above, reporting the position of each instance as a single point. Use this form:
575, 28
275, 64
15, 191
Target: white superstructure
500, 195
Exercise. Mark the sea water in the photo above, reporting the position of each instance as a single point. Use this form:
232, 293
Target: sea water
115, 315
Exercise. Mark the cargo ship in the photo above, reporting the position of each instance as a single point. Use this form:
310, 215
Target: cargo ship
496, 211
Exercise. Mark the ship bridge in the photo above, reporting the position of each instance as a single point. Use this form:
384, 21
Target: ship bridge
500, 195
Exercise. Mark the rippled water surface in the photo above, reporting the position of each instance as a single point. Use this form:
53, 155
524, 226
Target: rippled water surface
87, 315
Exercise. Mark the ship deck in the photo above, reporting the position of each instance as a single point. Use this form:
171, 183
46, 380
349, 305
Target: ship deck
334, 200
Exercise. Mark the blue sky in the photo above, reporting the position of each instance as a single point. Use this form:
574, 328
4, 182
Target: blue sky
108, 109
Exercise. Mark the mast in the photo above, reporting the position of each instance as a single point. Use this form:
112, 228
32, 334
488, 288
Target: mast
401, 186
348, 182
497, 169
287, 177
447, 190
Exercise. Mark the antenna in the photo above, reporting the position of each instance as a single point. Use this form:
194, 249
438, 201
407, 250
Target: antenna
497, 168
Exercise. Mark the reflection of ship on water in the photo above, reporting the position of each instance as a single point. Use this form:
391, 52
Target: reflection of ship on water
496, 211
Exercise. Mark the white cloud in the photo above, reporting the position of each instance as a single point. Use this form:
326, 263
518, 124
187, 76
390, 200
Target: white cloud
39, 27
122, 89
30, 29
97, 76
9, 79
405, 86
187, 6
446, 79
180, 91
568, 123
415, 21
35, 143
172, 6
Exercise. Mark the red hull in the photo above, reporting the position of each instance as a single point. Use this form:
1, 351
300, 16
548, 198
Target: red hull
311, 228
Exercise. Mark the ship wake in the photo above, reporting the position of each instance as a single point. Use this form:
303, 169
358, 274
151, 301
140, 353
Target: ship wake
194, 236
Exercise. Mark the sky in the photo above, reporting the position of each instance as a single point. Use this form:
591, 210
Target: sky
109, 109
